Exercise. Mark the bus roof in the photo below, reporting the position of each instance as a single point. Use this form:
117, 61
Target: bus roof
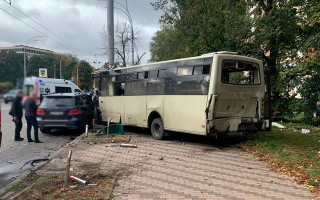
208, 55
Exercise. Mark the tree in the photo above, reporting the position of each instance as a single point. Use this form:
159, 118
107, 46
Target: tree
84, 71
11, 67
195, 27
48, 61
123, 40
276, 36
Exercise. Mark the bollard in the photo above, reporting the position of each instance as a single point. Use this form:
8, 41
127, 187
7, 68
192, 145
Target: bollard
87, 129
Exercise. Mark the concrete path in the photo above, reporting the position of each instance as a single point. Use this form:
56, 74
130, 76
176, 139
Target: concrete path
173, 169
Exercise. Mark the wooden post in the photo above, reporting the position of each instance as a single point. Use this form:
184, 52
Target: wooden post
109, 119
66, 175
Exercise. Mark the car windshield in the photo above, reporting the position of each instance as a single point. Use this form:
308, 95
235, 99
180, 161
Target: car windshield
58, 102
13, 92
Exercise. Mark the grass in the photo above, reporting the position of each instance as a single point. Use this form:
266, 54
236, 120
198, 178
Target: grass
24, 183
51, 187
290, 151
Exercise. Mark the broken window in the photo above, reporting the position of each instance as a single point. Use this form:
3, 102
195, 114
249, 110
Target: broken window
240, 73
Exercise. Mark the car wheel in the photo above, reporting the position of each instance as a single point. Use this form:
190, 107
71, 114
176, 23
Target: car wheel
6, 102
157, 129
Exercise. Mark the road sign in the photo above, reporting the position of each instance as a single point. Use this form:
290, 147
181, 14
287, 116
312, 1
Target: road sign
43, 73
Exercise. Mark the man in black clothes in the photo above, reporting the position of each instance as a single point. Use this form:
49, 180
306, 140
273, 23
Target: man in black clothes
16, 112
31, 117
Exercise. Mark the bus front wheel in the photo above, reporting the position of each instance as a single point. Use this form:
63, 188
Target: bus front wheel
157, 129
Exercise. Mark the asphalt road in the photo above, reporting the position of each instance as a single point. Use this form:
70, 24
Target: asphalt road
13, 155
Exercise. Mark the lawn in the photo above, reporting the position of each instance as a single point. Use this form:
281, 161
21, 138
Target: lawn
289, 151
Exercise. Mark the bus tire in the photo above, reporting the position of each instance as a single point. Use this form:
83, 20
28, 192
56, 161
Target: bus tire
157, 129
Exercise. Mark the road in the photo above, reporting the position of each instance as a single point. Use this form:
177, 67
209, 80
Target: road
13, 155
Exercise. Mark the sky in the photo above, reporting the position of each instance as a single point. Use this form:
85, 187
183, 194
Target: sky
70, 20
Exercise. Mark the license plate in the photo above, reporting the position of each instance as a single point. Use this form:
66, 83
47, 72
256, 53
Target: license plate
56, 113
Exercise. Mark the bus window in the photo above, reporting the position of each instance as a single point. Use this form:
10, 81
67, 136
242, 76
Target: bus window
192, 85
132, 76
153, 74
116, 88
134, 88
200, 70
156, 84
142, 75
63, 90
240, 73
185, 71
162, 73
104, 87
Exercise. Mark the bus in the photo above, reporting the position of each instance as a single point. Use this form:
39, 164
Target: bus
47, 86
217, 94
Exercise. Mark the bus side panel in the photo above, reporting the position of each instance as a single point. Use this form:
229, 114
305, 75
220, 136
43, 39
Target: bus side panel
112, 106
185, 113
155, 103
136, 111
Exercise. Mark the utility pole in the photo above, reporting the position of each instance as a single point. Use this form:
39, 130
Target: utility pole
110, 31
24, 63
60, 68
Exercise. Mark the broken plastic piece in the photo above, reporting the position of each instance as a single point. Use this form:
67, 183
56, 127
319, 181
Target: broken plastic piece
305, 131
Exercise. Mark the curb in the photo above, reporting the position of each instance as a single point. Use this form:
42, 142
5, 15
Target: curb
54, 155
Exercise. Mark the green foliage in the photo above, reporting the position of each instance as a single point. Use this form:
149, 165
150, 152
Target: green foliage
5, 87
307, 82
85, 73
11, 67
195, 27
42, 61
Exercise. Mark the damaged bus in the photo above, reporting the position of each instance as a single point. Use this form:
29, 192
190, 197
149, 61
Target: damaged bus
217, 94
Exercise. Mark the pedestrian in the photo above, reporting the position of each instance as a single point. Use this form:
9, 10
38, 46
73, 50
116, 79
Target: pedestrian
17, 112
31, 117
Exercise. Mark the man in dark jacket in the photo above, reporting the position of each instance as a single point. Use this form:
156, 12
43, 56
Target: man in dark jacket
31, 117
16, 112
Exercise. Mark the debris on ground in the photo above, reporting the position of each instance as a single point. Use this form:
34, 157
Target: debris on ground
305, 131
104, 139
83, 182
128, 145
278, 125
32, 162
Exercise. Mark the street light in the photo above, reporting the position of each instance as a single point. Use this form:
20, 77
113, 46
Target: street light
30, 40
127, 13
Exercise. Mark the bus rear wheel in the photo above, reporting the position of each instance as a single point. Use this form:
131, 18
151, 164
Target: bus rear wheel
157, 129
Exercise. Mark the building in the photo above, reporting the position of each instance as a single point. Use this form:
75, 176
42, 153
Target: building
30, 51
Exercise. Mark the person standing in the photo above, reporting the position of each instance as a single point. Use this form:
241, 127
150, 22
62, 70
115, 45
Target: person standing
31, 117
16, 112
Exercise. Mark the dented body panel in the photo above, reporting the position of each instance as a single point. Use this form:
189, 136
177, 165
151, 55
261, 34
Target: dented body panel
217, 104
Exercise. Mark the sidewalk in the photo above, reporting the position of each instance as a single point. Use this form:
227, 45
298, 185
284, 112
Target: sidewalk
176, 170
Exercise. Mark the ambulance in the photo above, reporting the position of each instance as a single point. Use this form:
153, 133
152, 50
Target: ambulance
47, 86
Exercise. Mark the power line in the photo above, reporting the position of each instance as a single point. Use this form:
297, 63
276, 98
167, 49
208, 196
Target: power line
36, 29
86, 34
44, 27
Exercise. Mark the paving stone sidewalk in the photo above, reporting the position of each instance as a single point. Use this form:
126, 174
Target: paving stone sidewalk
173, 169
